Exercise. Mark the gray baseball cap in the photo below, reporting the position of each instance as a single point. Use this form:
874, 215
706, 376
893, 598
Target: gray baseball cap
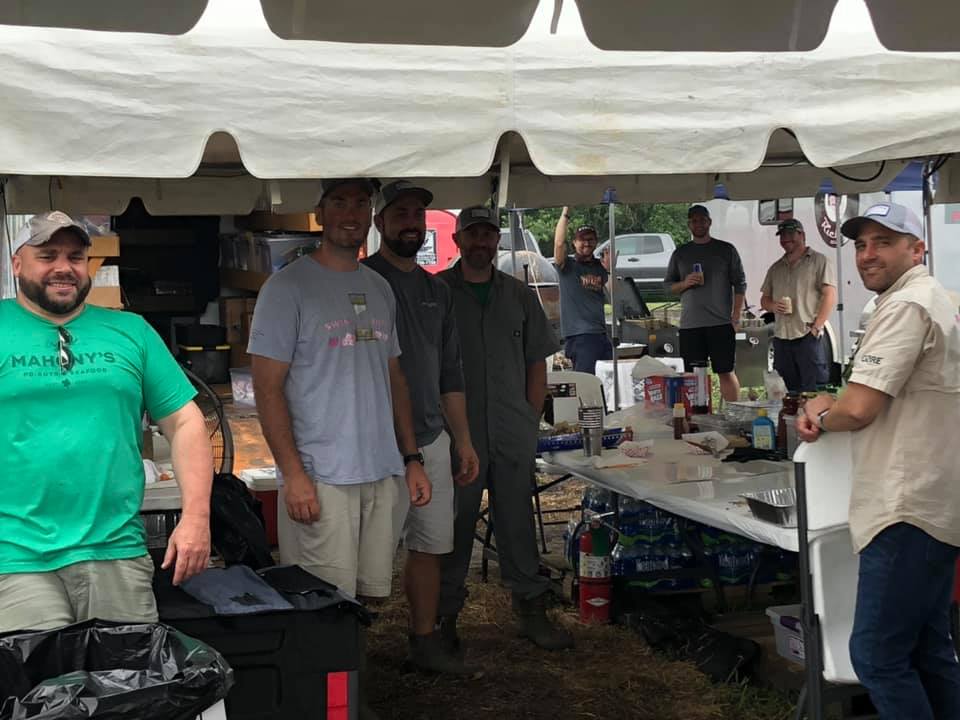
370, 185
392, 191
898, 218
40, 228
476, 215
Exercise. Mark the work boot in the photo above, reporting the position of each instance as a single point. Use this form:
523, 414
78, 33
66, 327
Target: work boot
449, 636
427, 652
533, 624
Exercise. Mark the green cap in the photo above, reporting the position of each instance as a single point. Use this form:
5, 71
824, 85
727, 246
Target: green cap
790, 225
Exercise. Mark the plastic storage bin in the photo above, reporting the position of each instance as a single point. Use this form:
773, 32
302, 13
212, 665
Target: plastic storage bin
788, 631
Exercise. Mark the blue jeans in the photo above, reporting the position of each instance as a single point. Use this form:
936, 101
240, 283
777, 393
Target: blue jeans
901, 646
584, 351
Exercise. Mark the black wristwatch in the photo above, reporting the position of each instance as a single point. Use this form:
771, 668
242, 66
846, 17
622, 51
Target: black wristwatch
418, 456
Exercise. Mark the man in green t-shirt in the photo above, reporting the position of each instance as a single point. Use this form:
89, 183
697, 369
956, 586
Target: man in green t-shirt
75, 381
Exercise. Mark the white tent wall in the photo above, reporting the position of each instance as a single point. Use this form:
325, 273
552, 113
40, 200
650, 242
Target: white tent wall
111, 106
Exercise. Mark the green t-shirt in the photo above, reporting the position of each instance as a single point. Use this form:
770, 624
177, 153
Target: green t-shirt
71, 440
480, 290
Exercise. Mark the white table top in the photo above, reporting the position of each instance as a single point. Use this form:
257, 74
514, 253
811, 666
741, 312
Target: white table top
698, 487
162, 496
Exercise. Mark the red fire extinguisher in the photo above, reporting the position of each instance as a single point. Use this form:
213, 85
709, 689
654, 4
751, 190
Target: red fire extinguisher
594, 575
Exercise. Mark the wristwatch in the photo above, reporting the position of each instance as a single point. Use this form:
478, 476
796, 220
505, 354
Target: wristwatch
417, 456
820, 416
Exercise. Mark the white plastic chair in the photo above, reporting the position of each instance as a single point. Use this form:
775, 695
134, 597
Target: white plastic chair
584, 389
829, 572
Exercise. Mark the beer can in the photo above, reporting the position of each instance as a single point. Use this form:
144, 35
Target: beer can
697, 268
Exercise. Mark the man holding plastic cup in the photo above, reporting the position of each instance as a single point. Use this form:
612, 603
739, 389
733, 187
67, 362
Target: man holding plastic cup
801, 290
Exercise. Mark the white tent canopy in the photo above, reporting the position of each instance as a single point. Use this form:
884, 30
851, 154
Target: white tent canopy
229, 115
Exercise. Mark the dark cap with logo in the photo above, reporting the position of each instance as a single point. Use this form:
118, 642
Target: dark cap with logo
698, 210
790, 225
392, 191
370, 185
476, 215
586, 230
40, 228
893, 216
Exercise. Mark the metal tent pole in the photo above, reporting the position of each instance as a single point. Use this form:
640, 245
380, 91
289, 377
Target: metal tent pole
610, 198
811, 623
927, 194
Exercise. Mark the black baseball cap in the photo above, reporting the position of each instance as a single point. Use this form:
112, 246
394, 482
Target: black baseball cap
697, 210
370, 185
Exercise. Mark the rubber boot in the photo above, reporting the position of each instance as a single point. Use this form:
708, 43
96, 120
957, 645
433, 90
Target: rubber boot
450, 637
428, 652
533, 624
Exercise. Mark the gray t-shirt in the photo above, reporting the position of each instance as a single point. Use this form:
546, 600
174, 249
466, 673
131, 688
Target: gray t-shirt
581, 297
337, 330
427, 328
709, 304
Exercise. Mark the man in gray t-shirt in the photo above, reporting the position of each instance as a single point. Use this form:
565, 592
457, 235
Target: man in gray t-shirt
431, 361
333, 402
583, 281
708, 276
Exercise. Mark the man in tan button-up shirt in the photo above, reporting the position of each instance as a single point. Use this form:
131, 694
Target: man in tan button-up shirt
801, 290
903, 407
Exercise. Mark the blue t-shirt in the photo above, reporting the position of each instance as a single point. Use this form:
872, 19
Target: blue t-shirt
338, 332
582, 297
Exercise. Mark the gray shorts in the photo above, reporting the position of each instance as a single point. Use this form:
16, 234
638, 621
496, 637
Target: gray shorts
429, 529
118, 590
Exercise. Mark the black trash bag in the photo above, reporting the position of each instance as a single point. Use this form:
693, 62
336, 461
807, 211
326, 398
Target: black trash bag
236, 524
109, 671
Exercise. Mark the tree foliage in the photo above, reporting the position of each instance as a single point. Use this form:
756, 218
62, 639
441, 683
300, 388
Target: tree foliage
668, 218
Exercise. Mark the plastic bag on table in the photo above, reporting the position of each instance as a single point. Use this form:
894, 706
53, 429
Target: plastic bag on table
109, 671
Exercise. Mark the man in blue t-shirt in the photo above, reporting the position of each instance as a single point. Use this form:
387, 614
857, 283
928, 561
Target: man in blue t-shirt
583, 279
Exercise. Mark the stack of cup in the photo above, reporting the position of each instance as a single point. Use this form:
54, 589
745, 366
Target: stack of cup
591, 427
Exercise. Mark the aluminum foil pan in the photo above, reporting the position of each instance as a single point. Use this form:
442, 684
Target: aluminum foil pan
778, 506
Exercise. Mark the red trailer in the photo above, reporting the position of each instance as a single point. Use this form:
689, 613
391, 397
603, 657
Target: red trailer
439, 249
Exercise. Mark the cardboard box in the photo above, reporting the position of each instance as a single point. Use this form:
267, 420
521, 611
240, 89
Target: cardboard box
236, 314
108, 297
107, 276
261, 220
663, 391
102, 247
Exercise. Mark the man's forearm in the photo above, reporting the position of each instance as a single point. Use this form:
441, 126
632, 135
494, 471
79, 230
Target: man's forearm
828, 300
192, 463
677, 288
560, 239
402, 414
277, 429
767, 303
738, 299
454, 405
537, 385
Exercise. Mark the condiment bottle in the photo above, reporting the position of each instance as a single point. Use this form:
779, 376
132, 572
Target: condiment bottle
679, 420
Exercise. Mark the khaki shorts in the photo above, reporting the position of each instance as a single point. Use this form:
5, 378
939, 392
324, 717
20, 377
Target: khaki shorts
429, 529
352, 544
118, 590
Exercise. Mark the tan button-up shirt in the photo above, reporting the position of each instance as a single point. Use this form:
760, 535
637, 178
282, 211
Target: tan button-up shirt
803, 283
904, 463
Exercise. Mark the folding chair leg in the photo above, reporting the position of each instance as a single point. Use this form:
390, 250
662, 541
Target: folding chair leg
484, 559
539, 512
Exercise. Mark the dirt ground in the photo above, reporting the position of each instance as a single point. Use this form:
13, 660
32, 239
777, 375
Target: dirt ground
611, 673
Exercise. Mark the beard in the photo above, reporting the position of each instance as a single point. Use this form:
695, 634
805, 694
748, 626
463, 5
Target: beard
36, 292
479, 258
405, 248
